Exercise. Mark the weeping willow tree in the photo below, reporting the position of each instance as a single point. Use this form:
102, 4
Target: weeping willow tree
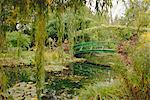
9, 11
39, 59
3, 81
21, 16
41, 9
22, 9
3, 30
65, 25
4, 24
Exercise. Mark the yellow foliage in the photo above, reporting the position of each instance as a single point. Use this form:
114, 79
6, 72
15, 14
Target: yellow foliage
52, 56
144, 40
145, 37
3, 81
35, 98
49, 2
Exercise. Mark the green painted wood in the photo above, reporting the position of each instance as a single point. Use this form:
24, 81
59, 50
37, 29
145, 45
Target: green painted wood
96, 51
95, 44
93, 47
85, 44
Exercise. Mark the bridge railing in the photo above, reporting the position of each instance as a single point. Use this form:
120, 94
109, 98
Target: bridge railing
94, 45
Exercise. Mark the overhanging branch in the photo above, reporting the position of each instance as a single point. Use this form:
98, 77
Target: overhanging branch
111, 27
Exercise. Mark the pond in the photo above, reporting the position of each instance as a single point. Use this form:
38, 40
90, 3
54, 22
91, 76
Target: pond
61, 85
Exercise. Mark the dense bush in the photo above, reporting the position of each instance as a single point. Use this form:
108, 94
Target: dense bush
12, 39
52, 29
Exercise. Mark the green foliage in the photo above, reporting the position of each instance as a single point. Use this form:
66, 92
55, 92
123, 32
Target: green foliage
3, 81
24, 76
136, 74
132, 80
137, 14
68, 23
104, 90
124, 34
12, 38
52, 29
19, 75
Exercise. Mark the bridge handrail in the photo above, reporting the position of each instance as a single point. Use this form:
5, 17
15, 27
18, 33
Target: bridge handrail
94, 44
96, 51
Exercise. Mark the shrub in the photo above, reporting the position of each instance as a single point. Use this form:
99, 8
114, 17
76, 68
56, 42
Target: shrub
12, 38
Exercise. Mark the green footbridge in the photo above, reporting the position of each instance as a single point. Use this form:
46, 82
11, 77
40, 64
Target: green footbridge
94, 47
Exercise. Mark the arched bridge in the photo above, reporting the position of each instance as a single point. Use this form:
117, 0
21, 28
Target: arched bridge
94, 47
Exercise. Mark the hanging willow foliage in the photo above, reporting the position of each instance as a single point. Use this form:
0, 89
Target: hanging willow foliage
39, 58
3, 80
40, 41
